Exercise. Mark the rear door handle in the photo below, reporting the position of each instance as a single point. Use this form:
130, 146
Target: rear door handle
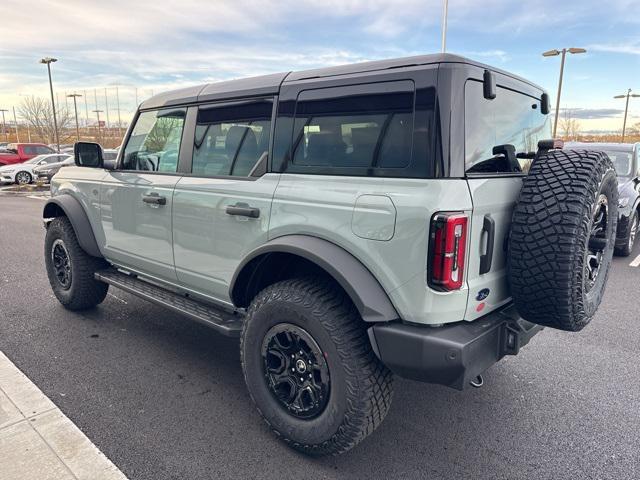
488, 226
243, 210
154, 199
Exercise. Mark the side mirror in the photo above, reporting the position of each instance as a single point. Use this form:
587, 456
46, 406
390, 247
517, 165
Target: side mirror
88, 154
544, 104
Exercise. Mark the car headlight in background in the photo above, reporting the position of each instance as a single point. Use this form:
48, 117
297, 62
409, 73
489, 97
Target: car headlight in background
623, 202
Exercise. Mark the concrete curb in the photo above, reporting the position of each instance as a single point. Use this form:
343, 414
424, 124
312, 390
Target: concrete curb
37, 441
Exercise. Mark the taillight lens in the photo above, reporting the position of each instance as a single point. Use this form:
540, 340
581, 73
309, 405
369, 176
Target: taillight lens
447, 246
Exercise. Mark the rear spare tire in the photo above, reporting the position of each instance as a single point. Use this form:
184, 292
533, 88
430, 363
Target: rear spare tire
562, 238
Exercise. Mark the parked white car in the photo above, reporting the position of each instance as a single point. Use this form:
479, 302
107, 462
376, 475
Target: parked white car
22, 173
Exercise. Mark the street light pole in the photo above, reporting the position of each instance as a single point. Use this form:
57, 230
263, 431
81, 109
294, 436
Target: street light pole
98, 112
15, 122
48, 61
628, 95
75, 109
553, 53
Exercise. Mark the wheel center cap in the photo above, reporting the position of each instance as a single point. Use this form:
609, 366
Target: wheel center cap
301, 366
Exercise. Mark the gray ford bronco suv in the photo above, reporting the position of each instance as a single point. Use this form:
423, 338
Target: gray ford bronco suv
404, 217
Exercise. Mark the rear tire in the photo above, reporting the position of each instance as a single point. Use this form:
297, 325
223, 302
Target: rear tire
70, 269
311, 326
562, 238
632, 229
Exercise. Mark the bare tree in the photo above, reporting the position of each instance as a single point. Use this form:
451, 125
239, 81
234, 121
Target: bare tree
39, 115
569, 126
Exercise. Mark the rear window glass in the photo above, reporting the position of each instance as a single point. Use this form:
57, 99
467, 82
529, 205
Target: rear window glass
501, 134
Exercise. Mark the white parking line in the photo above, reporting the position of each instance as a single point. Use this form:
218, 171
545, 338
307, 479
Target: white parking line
636, 262
37, 197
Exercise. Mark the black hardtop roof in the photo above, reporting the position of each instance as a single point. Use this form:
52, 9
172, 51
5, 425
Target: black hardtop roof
270, 84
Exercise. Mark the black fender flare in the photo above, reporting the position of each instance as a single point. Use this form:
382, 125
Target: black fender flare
363, 288
69, 206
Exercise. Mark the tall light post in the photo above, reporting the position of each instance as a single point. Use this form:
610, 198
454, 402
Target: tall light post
445, 12
627, 95
98, 112
48, 61
75, 109
15, 122
553, 53
4, 126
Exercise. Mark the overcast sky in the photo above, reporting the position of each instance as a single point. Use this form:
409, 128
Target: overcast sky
156, 45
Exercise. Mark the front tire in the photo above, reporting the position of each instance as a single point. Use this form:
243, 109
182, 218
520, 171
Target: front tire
70, 269
23, 178
632, 230
310, 369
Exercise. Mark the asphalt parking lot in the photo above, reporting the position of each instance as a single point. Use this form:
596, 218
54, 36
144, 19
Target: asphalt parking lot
164, 398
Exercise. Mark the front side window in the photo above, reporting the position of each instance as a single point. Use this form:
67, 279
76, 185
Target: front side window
354, 131
154, 143
501, 135
231, 139
43, 150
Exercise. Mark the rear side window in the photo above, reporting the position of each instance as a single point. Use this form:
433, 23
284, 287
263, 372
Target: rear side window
230, 139
28, 150
501, 134
361, 130
154, 143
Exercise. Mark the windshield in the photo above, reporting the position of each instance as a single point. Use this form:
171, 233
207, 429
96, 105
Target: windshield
621, 161
36, 159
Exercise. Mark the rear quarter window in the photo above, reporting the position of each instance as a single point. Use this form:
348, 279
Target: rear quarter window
361, 130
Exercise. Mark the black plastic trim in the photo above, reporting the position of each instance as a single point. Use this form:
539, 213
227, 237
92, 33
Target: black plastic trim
362, 287
78, 218
451, 355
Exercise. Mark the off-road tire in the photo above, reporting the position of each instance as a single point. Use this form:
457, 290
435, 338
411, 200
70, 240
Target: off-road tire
84, 290
548, 269
625, 250
361, 386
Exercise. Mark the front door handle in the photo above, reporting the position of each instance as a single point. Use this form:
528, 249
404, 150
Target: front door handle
154, 199
243, 210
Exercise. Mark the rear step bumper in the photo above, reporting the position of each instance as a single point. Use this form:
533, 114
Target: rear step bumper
451, 355
224, 322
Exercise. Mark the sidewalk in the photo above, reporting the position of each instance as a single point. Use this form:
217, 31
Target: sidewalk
37, 441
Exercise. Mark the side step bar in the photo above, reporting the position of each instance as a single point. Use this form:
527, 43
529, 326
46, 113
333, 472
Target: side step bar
224, 322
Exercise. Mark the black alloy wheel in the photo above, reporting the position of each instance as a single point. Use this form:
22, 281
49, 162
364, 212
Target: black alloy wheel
295, 370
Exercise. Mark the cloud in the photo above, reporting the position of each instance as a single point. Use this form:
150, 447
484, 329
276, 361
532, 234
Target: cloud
592, 113
631, 48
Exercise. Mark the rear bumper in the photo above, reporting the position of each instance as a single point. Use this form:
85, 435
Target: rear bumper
451, 355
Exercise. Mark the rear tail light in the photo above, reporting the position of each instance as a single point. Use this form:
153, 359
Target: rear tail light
447, 246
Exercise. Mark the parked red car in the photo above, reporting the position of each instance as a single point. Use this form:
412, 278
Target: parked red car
21, 152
